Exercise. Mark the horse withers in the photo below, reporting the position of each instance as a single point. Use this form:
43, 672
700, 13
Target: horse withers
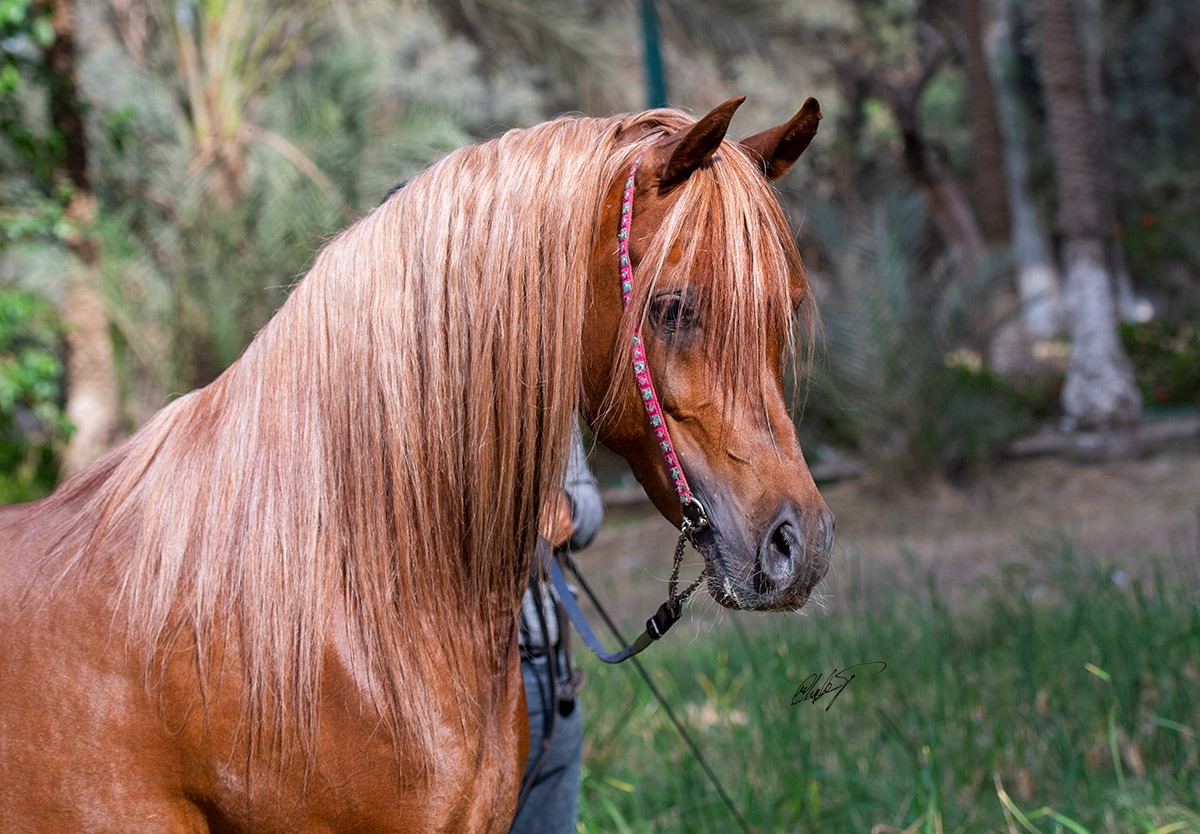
289, 602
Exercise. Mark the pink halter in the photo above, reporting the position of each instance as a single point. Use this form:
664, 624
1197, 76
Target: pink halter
694, 516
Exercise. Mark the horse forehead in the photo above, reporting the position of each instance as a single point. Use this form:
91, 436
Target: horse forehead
709, 265
650, 210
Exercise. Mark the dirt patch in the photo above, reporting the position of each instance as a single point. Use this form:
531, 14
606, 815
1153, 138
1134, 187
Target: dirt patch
1130, 516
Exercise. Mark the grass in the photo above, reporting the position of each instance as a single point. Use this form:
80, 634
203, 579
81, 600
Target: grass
1064, 698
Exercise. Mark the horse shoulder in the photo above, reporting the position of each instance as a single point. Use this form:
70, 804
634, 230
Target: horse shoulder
81, 744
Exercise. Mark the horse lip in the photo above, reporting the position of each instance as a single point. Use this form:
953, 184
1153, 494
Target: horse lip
704, 541
720, 582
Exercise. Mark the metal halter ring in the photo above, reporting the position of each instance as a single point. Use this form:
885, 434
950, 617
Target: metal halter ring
695, 517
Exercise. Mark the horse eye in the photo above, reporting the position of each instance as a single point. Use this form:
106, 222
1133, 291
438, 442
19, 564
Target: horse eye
671, 312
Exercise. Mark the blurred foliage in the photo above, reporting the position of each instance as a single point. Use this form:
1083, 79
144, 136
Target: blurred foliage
229, 140
25, 31
1166, 360
900, 378
1162, 247
1151, 76
971, 416
206, 242
32, 424
32, 202
33, 427
1147, 71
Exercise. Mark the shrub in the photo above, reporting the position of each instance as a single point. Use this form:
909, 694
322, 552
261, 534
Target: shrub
1166, 360
32, 424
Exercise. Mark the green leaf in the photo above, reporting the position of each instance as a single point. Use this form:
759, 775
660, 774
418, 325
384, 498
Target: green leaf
43, 32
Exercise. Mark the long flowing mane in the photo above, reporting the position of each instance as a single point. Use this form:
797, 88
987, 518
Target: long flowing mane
373, 464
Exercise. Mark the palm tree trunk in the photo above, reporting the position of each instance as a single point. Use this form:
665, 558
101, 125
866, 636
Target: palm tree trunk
1037, 277
991, 194
1008, 350
949, 207
1099, 392
93, 400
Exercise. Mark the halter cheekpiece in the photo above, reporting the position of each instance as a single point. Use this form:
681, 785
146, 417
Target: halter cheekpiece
695, 518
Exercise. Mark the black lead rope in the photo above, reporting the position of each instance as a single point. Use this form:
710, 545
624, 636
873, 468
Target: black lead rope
672, 615
549, 696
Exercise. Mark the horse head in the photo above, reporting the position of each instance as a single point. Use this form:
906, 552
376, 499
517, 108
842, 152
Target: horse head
718, 292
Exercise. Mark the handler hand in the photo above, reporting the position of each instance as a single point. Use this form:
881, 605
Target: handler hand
556, 525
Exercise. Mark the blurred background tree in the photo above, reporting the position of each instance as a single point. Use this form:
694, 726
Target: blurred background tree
205, 151
56, 155
1099, 392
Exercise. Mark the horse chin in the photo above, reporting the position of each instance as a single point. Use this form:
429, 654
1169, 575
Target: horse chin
728, 595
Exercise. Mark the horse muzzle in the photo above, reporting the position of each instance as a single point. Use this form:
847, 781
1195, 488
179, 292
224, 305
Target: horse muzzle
776, 572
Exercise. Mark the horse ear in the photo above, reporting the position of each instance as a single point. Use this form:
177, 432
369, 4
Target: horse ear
776, 149
688, 149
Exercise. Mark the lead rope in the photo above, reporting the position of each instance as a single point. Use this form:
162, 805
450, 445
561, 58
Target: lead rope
691, 743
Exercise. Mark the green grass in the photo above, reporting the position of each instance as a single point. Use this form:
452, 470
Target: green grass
1055, 700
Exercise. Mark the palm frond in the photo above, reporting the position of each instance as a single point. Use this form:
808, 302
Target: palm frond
895, 310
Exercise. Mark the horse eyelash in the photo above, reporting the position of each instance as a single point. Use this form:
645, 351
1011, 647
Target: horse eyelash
685, 314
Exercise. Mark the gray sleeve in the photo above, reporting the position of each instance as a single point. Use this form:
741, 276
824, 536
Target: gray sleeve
587, 507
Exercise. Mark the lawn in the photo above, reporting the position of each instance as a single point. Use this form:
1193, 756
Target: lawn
1061, 694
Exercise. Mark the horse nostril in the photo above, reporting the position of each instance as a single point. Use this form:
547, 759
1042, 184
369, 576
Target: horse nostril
782, 541
779, 554
795, 551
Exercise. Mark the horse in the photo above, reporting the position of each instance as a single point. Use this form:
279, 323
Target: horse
289, 601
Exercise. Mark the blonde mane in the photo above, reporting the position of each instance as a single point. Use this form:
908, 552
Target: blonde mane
374, 462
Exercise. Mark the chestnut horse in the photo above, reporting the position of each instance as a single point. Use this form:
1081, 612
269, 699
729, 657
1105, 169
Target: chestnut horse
289, 602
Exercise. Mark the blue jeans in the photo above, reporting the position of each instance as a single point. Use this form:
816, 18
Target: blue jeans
552, 803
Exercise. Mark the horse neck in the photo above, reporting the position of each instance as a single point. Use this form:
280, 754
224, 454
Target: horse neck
382, 448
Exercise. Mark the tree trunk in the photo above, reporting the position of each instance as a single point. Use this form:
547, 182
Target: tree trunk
856, 90
949, 208
990, 185
1091, 35
1008, 351
1037, 277
93, 399
1099, 392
